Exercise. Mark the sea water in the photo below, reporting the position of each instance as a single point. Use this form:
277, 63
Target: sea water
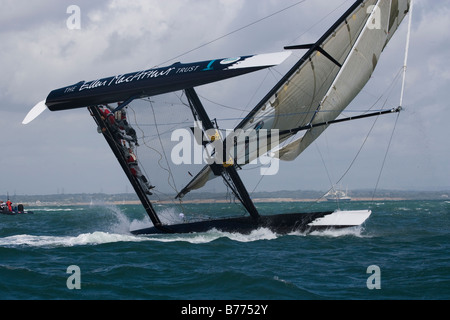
402, 252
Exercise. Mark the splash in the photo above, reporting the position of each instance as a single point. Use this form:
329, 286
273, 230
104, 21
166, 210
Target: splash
116, 228
214, 234
95, 238
99, 238
122, 222
119, 222
336, 233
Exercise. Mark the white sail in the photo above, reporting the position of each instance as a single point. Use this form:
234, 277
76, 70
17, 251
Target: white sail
322, 84
355, 72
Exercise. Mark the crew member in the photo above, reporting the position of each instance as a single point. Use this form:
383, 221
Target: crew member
136, 171
9, 204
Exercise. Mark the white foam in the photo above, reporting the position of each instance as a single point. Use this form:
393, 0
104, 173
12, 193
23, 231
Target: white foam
212, 235
95, 238
99, 238
56, 209
256, 235
335, 233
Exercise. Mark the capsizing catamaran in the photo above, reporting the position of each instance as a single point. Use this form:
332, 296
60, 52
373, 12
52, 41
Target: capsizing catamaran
308, 99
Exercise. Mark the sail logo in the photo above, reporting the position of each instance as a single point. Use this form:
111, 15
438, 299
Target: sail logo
240, 147
120, 79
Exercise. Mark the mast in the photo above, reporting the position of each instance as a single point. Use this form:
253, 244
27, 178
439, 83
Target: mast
239, 189
405, 65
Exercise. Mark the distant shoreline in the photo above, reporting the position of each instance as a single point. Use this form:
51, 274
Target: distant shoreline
281, 196
205, 201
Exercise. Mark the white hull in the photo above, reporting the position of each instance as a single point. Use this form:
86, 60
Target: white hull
347, 199
342, 219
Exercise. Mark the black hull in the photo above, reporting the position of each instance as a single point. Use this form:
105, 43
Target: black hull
280, 224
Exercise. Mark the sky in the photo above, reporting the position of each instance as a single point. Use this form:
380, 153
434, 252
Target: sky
44, 46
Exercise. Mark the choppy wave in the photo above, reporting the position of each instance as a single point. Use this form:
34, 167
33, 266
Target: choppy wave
335, 233
37, 249
99, 238
119, 231
56, 209
95, 238
212, 235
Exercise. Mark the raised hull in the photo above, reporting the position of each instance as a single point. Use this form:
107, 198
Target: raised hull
280, 224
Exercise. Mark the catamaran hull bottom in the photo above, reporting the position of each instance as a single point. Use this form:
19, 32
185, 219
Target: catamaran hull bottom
280, 224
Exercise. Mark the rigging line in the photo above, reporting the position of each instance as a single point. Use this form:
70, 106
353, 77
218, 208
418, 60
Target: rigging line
257, 185
235, 31
146, 99
263, 175
319, 21
328, 173
329, 155
239, 109
404, 69
357, 154
354, 159
232, 199
150, 147
188, 122
254, 94
165, 155
351, 164
144, 140
385, 156
221, 105
387, 92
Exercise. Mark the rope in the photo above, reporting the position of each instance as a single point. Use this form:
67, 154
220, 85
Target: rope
173, 186
235, 31
385, 156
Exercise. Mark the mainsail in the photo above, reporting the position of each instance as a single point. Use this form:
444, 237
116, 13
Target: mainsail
322, 83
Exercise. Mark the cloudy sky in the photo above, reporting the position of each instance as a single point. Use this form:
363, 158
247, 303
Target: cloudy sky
42, 49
